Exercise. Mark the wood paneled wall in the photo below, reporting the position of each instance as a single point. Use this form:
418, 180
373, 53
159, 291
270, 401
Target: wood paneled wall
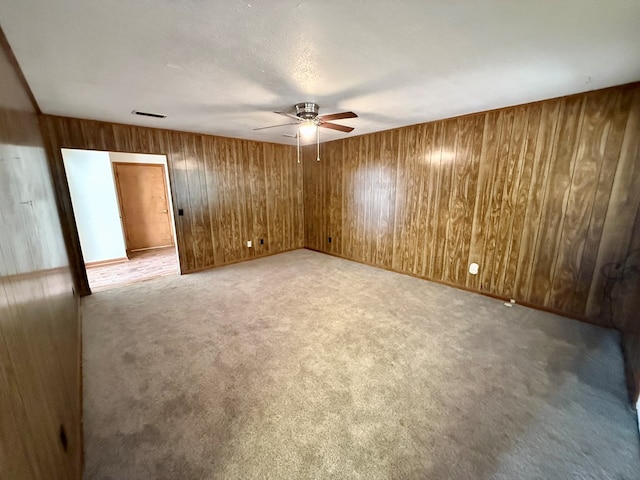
230, 190
625, 307
542, 196
630, 311
39, 324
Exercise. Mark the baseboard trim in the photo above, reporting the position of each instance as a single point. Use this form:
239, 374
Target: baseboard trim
101, 263
232, 262
638, 413
151, 248
80, 433
630, 344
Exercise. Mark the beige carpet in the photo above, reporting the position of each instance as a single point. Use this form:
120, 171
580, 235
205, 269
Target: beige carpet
304, 366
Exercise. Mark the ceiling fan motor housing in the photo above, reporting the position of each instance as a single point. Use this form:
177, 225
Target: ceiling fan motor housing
307, 111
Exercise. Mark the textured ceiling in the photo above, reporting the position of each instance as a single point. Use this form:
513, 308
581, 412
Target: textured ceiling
221, 67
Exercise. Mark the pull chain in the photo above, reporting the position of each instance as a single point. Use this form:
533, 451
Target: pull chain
318, 142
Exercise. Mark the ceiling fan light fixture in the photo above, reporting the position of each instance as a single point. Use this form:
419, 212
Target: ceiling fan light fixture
307, 128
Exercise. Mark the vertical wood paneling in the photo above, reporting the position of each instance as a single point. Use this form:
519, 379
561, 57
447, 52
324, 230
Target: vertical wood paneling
545, 140
493, 251
542, 196
521, 197
258, 195
180, 195
335, 200
386, 198
557, 192
275, 197
330, 197
433, 191
513, 160
462, 199
312, 178
230, 190
40, 386
212, 180
625, 308
617, 118
625, 195
407, 203
499, 202
481, 230
567, 156
589, 152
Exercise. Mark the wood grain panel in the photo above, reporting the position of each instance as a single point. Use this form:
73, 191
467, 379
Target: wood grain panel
312, 178
625, 196
230, 190
385, 194
462, 200
431, 215
545, 140
39, 324
407, 203
589, 150
492, 250
522, 200
625, 297
333, 200
556, 196
542, 196
513, 161
615, 122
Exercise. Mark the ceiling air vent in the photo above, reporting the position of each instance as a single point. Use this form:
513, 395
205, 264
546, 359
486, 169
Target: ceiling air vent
148, 114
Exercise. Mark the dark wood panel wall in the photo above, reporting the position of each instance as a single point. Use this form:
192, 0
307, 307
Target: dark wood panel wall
542, 196
230, 190
624, 293
40, 428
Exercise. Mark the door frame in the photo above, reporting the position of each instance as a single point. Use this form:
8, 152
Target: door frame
54, 149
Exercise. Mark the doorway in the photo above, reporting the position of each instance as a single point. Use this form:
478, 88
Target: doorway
123, 211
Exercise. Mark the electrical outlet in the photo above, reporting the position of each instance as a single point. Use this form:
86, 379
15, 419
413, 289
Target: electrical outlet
249, 243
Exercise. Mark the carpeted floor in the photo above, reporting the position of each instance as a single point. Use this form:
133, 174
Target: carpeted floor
305, 366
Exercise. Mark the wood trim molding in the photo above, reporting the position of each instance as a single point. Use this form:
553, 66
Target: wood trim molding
101, 263
241, 260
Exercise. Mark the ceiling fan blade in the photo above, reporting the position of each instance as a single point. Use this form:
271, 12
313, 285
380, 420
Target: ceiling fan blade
289, 135
274, 126
287, 114
335, 126
337, 116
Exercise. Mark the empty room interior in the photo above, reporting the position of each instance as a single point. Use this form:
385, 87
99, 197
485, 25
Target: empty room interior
319, 239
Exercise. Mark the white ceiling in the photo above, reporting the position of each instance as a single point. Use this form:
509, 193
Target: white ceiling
222, 67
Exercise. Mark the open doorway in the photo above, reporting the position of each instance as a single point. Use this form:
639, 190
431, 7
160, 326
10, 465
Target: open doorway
123, 212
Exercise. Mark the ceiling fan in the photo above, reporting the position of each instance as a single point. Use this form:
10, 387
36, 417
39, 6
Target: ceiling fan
308, 120
306, 116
